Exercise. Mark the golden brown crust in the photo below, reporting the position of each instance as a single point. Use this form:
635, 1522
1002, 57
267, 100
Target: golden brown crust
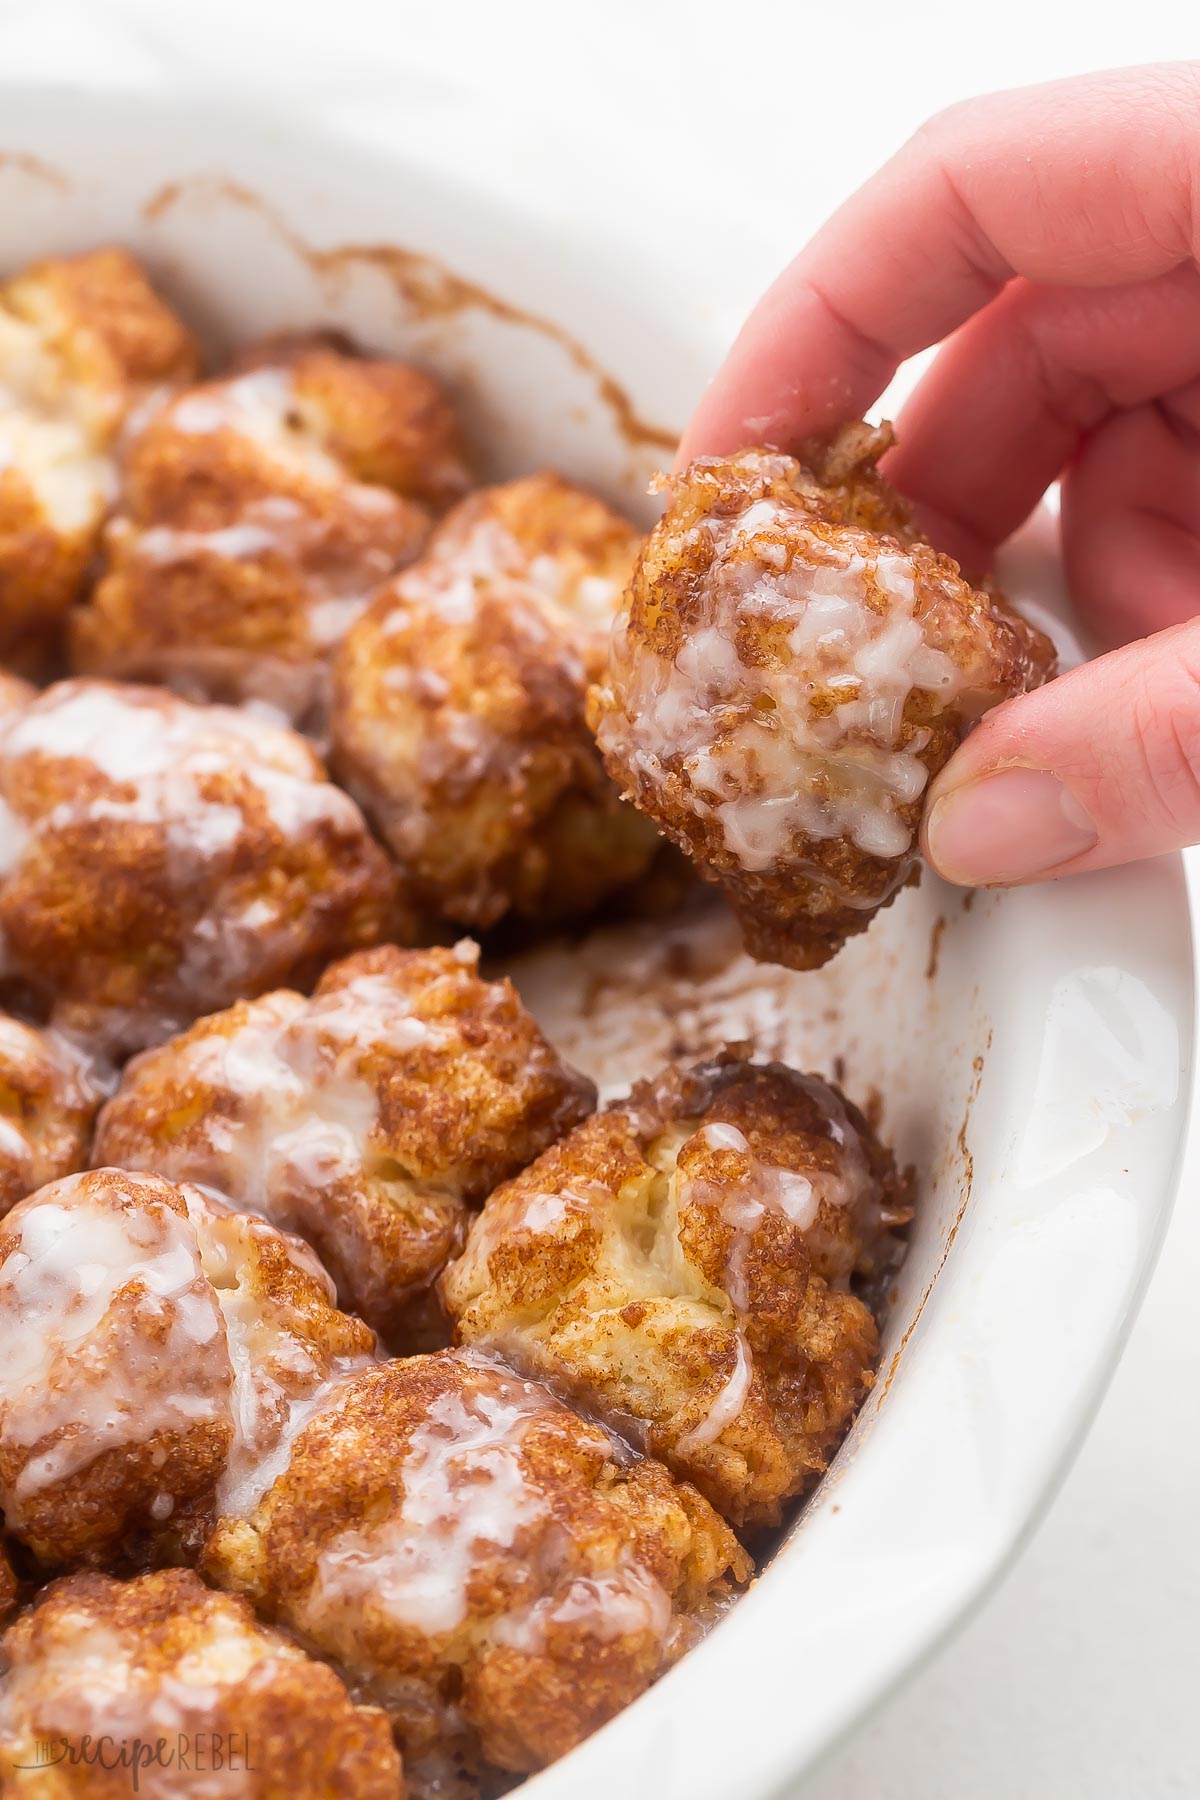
160, 859
259, 512
115, 1378
83, 340
458, 709
794, 664
680, 1265
369, 1118
10, 1585
190, 1671
482, 1561
153, 1350
389, 422
48, 1100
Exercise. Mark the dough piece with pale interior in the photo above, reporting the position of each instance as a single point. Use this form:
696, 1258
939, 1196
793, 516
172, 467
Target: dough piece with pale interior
369, 1118
84, 342
682, 1266
793, 665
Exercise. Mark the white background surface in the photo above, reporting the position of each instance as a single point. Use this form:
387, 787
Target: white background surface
739, 126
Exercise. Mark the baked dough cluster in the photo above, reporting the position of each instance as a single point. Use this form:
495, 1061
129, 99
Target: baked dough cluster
161, 1680
156, 1348
458, 710
258, 513
370, 1118
793, 664
682, 1264
85, 343
498, 1573
158, 859
369, 1394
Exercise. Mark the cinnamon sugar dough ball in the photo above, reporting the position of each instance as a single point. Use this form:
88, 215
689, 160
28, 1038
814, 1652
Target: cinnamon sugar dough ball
207, 1699
458, 709
10, 1584
368, 1118
501, 1575
258, 514
793, 665
48, 1099
681, 1266
159, 859
155, 1351
84, 340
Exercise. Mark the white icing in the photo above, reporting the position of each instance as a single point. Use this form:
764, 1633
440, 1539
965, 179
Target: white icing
334, 581
53, 429
726, 1406
81, 1266
306, 1076
87, 1679
467, 1498
809, 742
160, 754
262, 406
767, 1187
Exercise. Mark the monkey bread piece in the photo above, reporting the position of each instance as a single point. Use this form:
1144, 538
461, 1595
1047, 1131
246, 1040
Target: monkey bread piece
502, 1576
259, 513
367, 1118
48, 1099
14, 693
680, 1265
155, 1352
158, 859
10, 1585
83, 341
160, 1687
793, 666
458, 709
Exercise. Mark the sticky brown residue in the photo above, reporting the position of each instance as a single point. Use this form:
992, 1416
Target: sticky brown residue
968, 900
427, 288
966, 1178
35, 168
935, 947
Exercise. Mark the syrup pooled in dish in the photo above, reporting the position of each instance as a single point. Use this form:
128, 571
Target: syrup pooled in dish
155, 1351
158, 859
84, 341
368, 1118
499, 1574
458, 712
793, 665
681, 1266
258, 514
215, 1702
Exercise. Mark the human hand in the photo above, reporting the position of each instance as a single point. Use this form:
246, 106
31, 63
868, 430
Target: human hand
1055, 233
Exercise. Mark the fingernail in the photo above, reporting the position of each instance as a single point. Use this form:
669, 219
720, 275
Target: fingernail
1007, 827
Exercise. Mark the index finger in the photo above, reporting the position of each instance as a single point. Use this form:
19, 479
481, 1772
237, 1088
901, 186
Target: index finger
1083, 182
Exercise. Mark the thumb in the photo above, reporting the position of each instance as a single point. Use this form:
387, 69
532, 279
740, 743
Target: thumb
1102, 766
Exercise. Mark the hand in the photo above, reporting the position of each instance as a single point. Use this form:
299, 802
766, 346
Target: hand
1054, 232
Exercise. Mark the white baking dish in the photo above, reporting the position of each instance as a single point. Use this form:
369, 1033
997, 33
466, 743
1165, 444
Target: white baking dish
1031, 1052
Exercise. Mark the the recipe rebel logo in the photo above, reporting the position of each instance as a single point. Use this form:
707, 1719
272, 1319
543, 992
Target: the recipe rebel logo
198, 1752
